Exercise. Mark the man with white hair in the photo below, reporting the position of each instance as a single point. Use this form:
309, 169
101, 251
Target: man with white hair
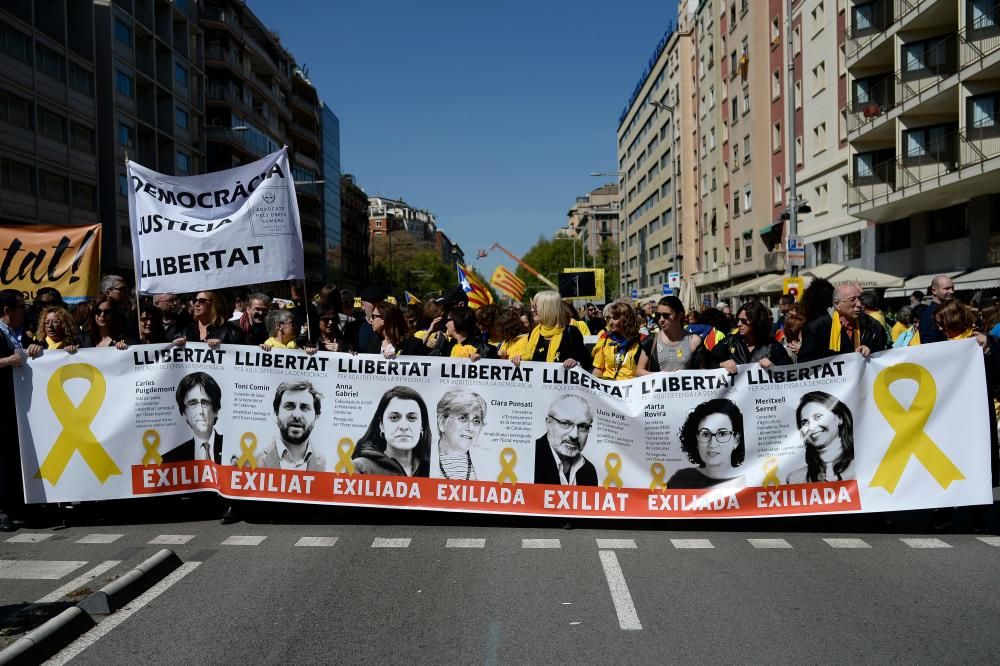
847, 329
942, 291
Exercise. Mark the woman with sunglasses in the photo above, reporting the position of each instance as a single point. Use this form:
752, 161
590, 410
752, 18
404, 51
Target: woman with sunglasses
329, 336
673, 347
712, 438
106, 326
390, 327
210, 322
552, 339
618, 357
752, 341
56, 330
151, 329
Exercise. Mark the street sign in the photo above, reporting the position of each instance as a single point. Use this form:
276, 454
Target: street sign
674, 280
635, 293
793, 286
796, 253
667, 290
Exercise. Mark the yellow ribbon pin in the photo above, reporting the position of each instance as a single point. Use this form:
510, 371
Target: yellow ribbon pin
910, 439
248, 447
508, 458
658, 471
345, 449
771, 473
76, 434
613, 464
151, 442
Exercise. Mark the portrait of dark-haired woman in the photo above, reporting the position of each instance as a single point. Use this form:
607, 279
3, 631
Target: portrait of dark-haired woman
398, 439
712, 438
827, 429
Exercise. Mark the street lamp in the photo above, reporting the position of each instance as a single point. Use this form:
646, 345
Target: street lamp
673, 176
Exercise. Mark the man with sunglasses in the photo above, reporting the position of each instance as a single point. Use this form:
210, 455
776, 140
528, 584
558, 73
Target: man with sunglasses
847, 329
559, 452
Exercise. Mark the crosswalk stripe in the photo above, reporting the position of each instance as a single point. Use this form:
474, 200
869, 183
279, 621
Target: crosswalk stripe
691, 543
465, 543
28, 537
322, 542
383, 542
847, 543
171, 539
38, 569
616, 543
244, 540
78, 582
990, 540
540, 543
930, 542
100, 538
765, 544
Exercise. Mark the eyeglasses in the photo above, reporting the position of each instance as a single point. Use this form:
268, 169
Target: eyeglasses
743, 321
852, 299
102, 312
116, 288
286, 323
582, 428
721, 436
373, 316
466, 418
326, 320
664, 315
202, 301
197, 404
146, 320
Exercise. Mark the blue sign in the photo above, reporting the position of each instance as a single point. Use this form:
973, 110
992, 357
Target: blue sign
635, 293
667, 291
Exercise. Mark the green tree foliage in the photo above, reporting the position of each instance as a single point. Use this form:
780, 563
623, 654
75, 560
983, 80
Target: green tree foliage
551, 257
404, 262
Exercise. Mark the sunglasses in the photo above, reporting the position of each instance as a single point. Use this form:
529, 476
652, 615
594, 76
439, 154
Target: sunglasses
326, 320
743, 321
665, 315
202, 301
102, 312
146, 320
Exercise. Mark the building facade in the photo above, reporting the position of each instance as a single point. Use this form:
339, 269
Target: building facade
354, 240
594, 218
333, 249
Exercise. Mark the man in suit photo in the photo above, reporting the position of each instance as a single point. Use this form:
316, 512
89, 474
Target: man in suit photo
199, 400
559, 453
297, 405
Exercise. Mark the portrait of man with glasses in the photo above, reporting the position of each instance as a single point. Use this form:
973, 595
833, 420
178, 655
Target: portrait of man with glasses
199, 400
559, 452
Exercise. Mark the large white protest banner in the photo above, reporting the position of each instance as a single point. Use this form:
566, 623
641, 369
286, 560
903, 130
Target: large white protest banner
907, 429
220, 229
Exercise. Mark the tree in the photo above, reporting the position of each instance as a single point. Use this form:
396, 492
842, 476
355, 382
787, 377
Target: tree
551, 257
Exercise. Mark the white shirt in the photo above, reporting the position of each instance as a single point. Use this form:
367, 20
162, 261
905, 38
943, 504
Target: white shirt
285, 457
203, 449
567, 480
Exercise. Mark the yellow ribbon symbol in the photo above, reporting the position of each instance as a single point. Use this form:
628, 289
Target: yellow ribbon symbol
508, 458
345, 449
658, 471
151, 442
248, 446
771, 473
613, 463
910, 439
76, 434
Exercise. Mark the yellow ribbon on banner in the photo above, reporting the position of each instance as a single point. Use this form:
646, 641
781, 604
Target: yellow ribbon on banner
151, 442
248, 448
659, 472
771, 473
613, 464
76, 434
508, 458
910, 439
345, 449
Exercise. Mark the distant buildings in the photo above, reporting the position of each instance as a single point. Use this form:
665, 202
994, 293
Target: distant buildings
354, 242
386, 216
593, 219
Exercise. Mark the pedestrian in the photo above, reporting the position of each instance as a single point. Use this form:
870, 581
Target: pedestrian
752, 342
56, 330
210, 322
175, 316
150, 326
552, 339
253, 322
673, 347
107, 326
618, 358
115, 290
328, 336
595, 322
394, 337
847, 329
942, 291
785, 302
465, 339
512, 333
790, 335
283, 332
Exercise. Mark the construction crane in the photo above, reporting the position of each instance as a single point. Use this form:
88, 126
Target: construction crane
481, 254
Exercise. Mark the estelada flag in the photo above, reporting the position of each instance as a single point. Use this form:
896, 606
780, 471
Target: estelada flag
473, 287
410, 298
508, 283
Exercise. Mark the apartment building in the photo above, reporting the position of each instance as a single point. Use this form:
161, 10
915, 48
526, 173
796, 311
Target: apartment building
923, 127
594, 218
355, 247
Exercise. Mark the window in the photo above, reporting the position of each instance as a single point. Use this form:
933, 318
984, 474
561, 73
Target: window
736, 204
16, 44
122, 185
929, 57
713, 179
776, 84
16, 111
51, 125
746, 101
180, 74
124, 83
748, 247
818, 18
875, 167
711, 139
798, 150
821, 198
735, 116
50, 63
733, 64
776, 136
747, 199
892, 236
775, 31
81, 137
736, 157
933, 144
736, 252
746, 149
948, 224
819, 138
182, 118
867, 18
798, 94
983, 15
779, 191
822, 251
852, 245
983, 116
17, 177
819, 77
123, 32
715, 257
126, 135
84, 196
52, 187
796, 40
711, 97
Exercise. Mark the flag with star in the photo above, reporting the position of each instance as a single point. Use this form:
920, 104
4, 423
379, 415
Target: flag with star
473, 287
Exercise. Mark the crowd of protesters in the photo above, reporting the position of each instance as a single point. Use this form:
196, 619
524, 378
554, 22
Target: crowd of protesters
631, 340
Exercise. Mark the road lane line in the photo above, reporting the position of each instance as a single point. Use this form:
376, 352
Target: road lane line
990, 540
628, 619
691, 543
27, 537
465, 543
78, 582
492, 645
383, 542
765, 544
616, 543
38, 569
846, 543
100, 538
930, 542
540, 543
171, 539
243, 540
111, 621
319, 542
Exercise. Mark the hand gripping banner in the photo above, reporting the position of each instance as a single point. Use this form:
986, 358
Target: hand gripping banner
907, 429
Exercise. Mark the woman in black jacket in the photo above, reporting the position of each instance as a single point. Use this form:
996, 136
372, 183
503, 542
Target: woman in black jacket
553, 339
210, 323
752, 341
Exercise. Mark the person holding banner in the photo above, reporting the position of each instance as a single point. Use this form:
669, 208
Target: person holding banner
55, 331
512, 334
12, 356
461, 415
106, 326
390, 327
673, 347
281, 325
398, 439
847, 329
464, 335
712, 438
618, 358
553, 339
210, 324
151, 328
328, 335
752, 342
827, 430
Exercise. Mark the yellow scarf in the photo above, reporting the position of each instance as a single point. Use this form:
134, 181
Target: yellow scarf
275, 343
962, 336
835, 330
52, 344
553, 334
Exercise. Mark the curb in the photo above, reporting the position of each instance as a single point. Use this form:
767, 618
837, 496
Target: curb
45, 641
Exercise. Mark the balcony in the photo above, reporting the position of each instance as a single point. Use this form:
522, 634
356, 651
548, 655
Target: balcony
980, 39
870, 23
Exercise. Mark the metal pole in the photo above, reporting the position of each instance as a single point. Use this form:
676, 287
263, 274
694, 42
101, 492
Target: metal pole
793, 199
675, 184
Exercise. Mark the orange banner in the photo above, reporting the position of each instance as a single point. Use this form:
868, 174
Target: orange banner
65, 257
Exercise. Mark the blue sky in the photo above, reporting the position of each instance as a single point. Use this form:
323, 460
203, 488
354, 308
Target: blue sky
489, 114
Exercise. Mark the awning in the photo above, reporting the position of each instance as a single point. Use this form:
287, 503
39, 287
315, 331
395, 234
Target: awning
825, 271
748, 288
984, 278
921, 282
867, 279
766, 230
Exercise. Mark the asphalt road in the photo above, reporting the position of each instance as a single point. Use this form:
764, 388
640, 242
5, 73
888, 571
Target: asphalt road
393, 587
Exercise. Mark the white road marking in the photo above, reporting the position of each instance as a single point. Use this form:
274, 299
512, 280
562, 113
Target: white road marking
765, 544
616, 543
100, 538
930, 542
847, 543
28, 537
111, 621
382, 542
78, 582
172, 539
540, 543
465, 543
692, 543
244, 540
628, 619
990, 540
38, 569
322, 542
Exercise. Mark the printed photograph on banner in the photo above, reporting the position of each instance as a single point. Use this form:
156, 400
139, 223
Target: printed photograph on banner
465, 444
397, 441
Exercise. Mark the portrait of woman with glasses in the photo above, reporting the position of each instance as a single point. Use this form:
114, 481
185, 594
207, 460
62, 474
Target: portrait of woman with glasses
461, 415
712, 438
673, 347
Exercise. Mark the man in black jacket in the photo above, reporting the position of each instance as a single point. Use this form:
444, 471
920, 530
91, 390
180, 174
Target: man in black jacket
857, 331
559, 453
